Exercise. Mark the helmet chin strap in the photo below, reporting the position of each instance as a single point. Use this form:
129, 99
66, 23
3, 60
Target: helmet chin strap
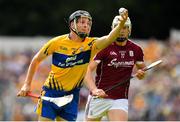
80, 34
121, 39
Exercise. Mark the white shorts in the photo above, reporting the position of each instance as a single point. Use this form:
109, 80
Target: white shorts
98, 107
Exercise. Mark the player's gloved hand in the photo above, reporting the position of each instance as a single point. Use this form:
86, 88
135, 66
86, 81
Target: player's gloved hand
140, 74
99, 93
24, 90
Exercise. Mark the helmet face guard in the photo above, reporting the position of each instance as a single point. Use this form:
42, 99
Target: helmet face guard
74, 17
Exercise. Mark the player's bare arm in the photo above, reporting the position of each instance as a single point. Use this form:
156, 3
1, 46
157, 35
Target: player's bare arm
31, 71
89, 80
107, 40
140, 73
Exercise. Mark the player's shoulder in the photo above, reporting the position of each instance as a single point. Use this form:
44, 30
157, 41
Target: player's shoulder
59, 38
90, 41
134, 44
91, 38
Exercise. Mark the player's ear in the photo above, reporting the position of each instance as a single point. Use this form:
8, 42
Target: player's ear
72, 25
129, 31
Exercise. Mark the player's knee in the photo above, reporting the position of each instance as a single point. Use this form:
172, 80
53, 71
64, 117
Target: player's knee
117, 115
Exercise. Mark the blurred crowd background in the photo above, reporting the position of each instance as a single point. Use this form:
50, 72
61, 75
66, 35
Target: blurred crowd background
26, 25
157, 97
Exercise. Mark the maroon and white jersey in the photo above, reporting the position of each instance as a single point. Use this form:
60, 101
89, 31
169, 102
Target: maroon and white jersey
116, 65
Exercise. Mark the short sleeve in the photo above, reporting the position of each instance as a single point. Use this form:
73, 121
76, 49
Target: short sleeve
94, 49
100, 55
49, 47
140, 54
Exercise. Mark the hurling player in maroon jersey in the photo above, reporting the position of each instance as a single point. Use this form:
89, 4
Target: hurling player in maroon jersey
114, 64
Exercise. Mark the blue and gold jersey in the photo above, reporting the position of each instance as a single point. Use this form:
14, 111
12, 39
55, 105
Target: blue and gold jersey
69, 61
